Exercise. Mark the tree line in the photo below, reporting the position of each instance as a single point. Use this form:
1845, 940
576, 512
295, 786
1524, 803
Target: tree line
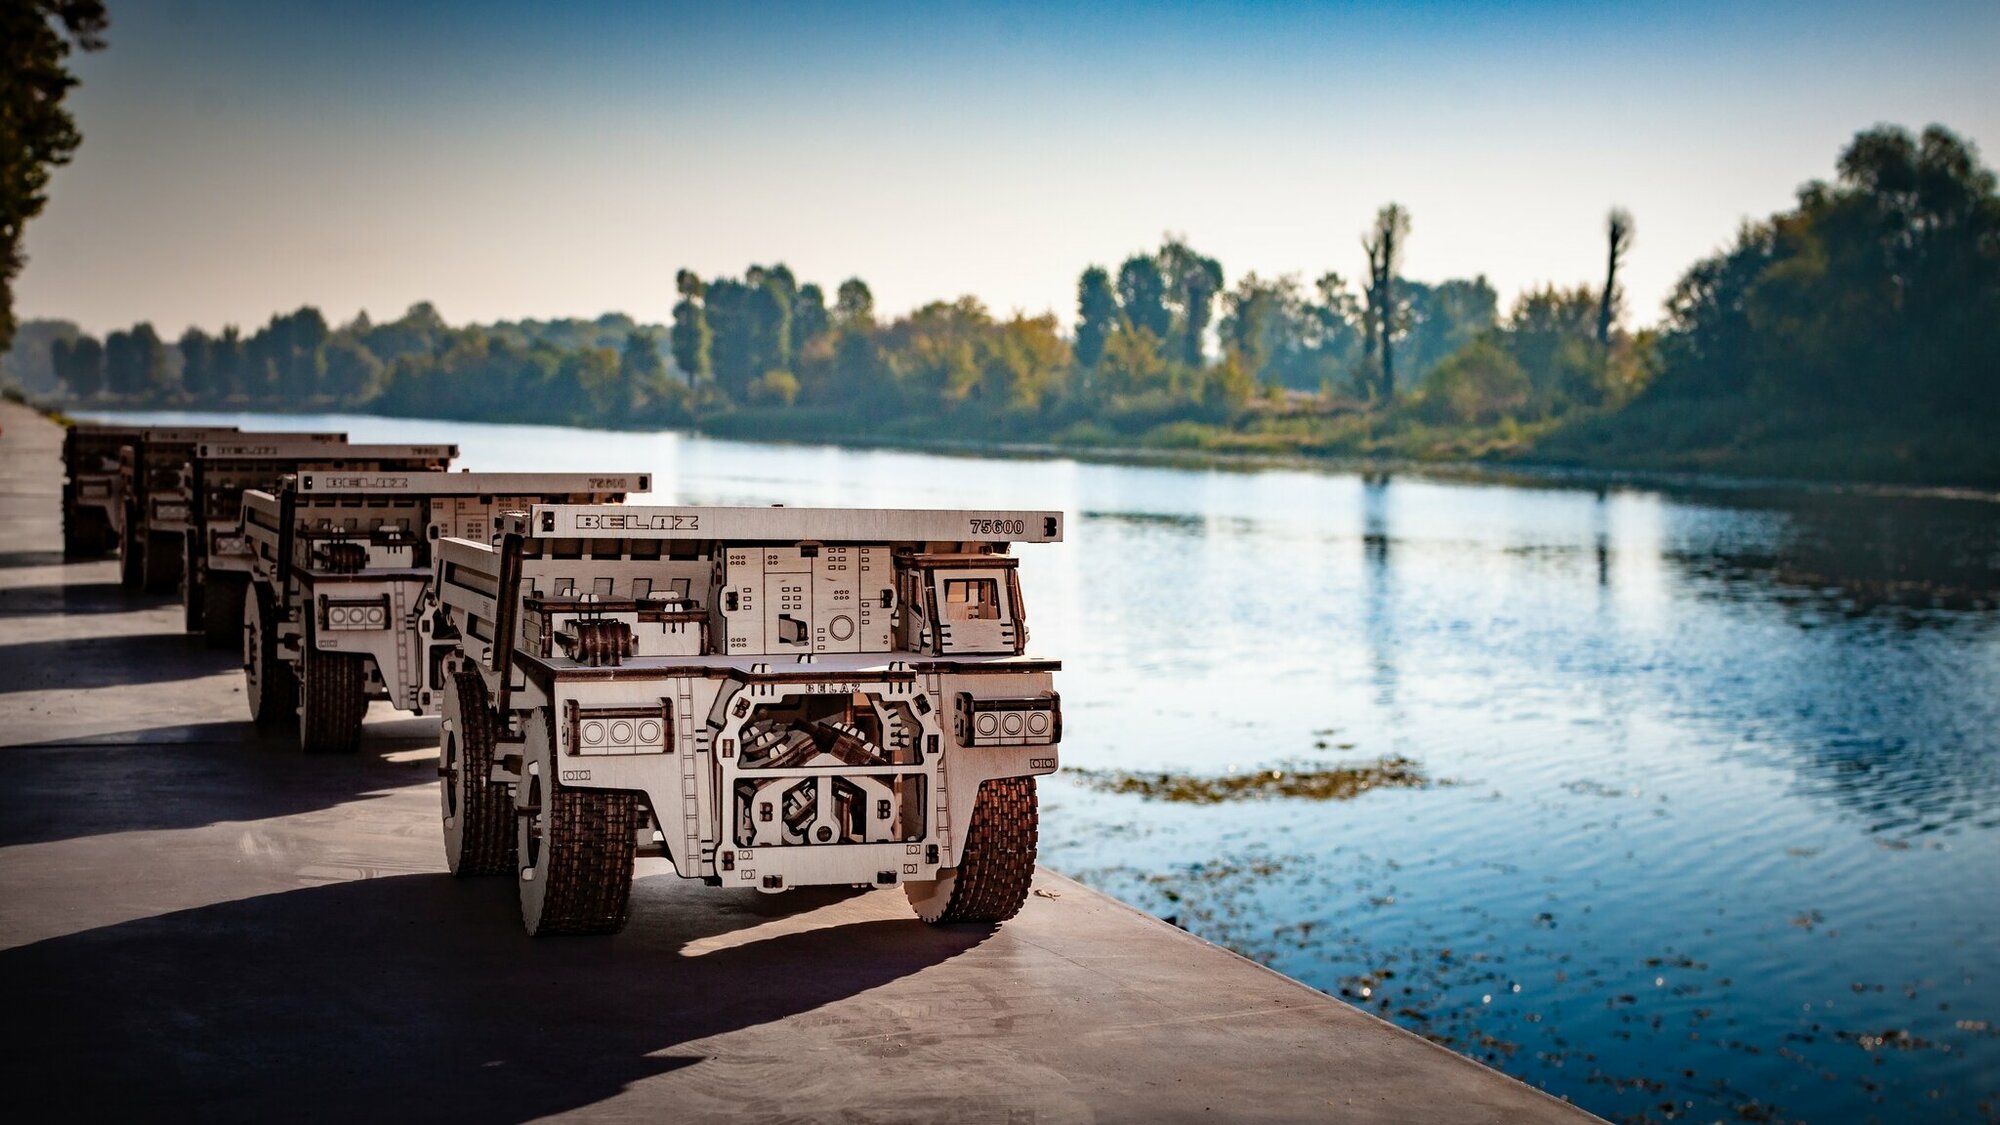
1876, 296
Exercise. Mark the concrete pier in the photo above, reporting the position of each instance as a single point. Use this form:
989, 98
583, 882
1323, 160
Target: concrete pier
199, 923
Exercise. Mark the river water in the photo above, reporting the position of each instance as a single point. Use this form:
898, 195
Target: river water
1683, 804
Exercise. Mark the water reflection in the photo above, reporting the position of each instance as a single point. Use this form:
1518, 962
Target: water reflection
1858, 554
1377, 616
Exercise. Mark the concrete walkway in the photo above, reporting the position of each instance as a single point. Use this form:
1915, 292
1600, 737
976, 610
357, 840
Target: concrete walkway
198, 924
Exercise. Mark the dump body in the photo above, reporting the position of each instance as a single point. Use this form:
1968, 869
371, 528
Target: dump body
792, 696
222, 471
344, 558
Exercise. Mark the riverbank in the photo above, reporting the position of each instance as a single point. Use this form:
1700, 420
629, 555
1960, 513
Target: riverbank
1582, 470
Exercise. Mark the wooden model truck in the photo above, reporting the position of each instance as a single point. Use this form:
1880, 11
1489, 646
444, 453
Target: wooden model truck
339, 610
93, 506
154, 486
218, 558
768, 697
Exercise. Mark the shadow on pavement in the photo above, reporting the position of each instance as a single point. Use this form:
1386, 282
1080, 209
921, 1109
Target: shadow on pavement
14, 560
94, 662
413, 997
176, 780
68, 598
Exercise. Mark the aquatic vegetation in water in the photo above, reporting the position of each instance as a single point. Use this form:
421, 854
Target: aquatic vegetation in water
1341, 783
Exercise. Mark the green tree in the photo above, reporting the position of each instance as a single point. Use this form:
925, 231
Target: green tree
1876, 297
85, 374
854, 304
690, 336
767, 319
1234, 380
29, 362
1134, 361
226, 362
809, 317
643, 371
1193, 280
776, 387
1265, 327
1338, 337
1142, 295
123, 374
36, 132
421, 330
1443, 318
351, 370
1551, 333
1026, 359
934, 354
860, 377
1097, 314
751, 325
587, 386
1477, 385
197, 363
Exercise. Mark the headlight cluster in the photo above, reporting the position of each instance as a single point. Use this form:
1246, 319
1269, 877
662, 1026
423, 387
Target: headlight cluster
1009, 722
370, 614
618, 730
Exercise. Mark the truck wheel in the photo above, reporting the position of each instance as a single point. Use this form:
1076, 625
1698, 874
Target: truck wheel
992, 878
131, 558
478, 812
333, 699
269, 684
221, 609
573, 847
162, 563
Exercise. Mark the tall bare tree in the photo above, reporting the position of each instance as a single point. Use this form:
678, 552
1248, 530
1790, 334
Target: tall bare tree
1384, 245
1619, 230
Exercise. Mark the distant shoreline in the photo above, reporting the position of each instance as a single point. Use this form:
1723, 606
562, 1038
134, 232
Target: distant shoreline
1524, 473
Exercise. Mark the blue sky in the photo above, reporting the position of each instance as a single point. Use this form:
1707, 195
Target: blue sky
510, 160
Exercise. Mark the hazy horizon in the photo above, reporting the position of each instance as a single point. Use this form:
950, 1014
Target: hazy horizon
506, 161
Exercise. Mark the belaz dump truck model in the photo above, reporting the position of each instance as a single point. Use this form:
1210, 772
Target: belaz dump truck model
769, 697
93, 511
339, 610
154, 486
218, 557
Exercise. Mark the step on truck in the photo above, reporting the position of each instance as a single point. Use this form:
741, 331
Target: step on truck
155, 487
342, 560
217, 570
767, 697
93, 500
